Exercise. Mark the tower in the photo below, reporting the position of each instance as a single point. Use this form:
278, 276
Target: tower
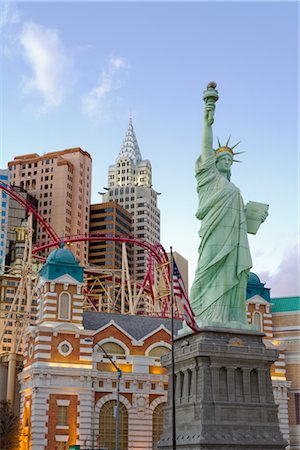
130, 184
56, 359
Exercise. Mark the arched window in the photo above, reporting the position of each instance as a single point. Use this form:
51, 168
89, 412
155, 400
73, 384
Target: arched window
159, 350
107, 426
157, 423
257, 320
112, 349
64, 306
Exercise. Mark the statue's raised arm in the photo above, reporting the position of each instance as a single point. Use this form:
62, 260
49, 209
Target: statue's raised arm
210, 96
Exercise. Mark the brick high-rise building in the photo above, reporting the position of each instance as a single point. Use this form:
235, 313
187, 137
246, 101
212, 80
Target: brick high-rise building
130, 184
61, 182
108, 219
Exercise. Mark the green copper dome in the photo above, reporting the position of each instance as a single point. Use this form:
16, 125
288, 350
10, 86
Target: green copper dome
61, 262
62, 256
254, 279
256, 287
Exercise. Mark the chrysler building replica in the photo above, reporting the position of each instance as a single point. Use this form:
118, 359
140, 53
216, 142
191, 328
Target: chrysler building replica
130, 185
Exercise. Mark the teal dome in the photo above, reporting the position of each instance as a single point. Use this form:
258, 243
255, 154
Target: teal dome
256, 287
61, 262
254, 279
62, 256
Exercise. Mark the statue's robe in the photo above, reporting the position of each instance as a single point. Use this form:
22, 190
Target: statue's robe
218, 293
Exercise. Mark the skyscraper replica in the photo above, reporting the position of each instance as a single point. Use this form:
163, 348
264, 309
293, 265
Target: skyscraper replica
61, 181
130, 184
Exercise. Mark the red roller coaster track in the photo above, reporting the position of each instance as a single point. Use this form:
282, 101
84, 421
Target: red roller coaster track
155, 251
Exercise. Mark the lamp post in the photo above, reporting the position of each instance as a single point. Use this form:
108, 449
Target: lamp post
116, 414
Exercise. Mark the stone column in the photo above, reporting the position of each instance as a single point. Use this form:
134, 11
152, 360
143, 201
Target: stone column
185, 392
262, 388
230, 383
246, 384
215, 377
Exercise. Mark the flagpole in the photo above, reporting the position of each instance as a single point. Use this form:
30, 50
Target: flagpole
172, 352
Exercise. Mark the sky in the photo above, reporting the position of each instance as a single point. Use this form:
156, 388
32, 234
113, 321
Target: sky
72, 73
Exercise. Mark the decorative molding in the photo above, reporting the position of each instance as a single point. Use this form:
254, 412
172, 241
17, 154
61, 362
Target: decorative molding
62, 402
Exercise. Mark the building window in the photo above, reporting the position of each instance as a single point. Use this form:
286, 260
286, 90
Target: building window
64, 308
65, 348
107, 426
257, 321
113, 349
157, 423
30, 352
62, 415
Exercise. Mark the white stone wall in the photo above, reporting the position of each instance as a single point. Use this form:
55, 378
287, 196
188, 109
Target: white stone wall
280, 390
85, 423
39, 418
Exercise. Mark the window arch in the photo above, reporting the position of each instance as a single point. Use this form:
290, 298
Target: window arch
107, 426
257, 321
157, 423
64, 306
158, 351
113, 349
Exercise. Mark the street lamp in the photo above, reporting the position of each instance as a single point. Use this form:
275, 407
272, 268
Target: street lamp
116, 412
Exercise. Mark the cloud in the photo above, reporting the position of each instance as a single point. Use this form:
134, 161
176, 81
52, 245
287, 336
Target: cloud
10, 19
285, 281
9, 15
51, 66
98, 102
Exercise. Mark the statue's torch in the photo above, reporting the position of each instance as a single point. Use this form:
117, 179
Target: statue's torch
211, 95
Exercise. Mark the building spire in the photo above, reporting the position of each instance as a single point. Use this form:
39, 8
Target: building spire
130, 148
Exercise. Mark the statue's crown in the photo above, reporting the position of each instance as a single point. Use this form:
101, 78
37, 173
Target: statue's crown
224, 149
227, 149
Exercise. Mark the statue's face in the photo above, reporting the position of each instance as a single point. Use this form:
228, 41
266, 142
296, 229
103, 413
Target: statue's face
224, 163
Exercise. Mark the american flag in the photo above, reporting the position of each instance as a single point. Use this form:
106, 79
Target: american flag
180, 292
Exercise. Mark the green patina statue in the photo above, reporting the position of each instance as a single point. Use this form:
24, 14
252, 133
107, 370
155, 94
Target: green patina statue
218, 293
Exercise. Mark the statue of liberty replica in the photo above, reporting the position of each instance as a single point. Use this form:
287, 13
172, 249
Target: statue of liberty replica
218, 294
220, 393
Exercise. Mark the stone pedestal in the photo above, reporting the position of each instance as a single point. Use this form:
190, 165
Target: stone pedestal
224, 398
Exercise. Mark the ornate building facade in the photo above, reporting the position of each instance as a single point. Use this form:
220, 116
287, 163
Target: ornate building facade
69, 386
